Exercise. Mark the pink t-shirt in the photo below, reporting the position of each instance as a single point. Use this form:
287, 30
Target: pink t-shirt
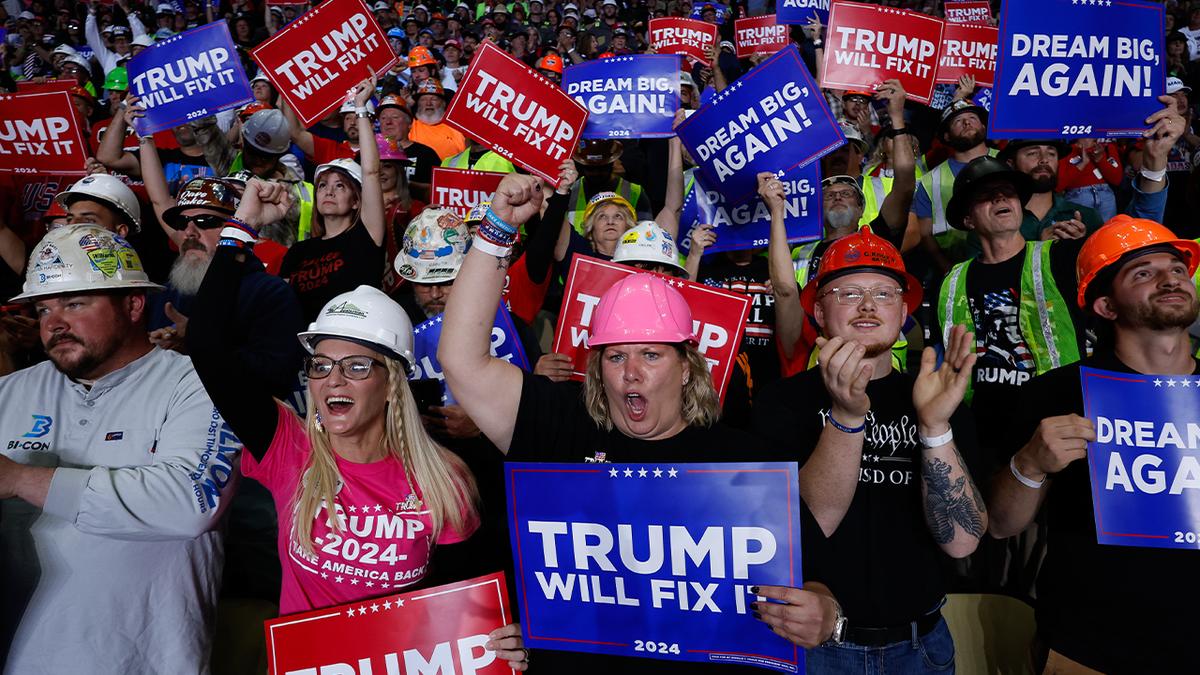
385, 538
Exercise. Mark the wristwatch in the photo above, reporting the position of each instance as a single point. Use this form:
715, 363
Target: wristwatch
839, 626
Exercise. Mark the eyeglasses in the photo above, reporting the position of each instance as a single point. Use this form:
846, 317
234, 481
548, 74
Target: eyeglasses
846, 195
204, 222
853, 295
353, 367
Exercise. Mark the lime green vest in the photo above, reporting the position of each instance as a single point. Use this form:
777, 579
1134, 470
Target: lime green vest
1043, 314
939, 185
490, 161
630, 191
303, 193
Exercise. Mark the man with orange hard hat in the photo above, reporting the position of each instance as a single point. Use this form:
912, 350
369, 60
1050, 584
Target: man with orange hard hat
1136, 281
551, 65
881, 462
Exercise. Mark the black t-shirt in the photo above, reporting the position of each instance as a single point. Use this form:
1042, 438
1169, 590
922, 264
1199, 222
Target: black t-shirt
321, 269
553, 426
757, 364
1005, 363
1117, 609
421, 160
881, 563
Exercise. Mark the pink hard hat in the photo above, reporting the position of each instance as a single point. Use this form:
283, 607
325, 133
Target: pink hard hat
389, 149
641, 308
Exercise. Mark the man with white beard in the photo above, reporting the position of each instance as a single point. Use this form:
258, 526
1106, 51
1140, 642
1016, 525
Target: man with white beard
429, 126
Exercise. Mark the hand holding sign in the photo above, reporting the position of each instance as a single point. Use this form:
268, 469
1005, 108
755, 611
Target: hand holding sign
1057, 442
507, 644
771, 191
804, 618
1166, 127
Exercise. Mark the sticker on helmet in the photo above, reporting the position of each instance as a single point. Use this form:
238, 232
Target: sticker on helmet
104, 260
346, 308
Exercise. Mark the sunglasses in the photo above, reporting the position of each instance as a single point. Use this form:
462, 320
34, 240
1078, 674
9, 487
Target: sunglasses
204, 222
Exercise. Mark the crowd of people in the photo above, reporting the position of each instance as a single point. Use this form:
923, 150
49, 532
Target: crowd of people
208, 357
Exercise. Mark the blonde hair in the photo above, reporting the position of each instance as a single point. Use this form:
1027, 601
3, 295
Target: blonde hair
630, 219
701, 406
446, 485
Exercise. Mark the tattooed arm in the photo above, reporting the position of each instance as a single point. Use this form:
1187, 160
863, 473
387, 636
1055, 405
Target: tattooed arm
954, 509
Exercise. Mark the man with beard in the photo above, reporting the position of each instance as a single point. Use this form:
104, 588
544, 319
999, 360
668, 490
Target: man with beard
1136, 281
429, 127
1047, 214
115, 468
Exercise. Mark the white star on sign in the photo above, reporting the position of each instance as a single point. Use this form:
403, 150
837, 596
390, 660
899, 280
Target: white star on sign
338, 579
350, 612
399, 602
354, 582
378, 508
375, 608
672, 473
385, 585
1157, 383
370, 584
642, 473
1170, 383
324, 575
387, 605
657, 472
628, 473
612, 472
1186, 383
353, 509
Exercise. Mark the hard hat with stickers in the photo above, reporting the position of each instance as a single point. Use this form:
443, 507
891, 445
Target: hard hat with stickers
78, 258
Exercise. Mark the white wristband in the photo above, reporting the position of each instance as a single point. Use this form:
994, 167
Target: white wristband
936, 441
237, 233
1156, 176
491, 249
1027, 482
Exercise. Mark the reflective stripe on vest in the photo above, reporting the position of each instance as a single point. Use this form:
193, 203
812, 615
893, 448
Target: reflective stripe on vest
875, 190
939, 185
802, 261
304, 190
630, 191
490, 161
1043, 315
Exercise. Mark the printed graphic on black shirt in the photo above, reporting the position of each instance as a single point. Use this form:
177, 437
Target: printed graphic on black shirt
1004, 355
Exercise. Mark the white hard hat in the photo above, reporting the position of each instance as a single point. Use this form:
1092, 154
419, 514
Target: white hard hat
268, 131
83, 257
79, 60
109, 190
348, 107
434, 246
143, 41
647, 243
366, 316
347, 165
260, 77
66, 50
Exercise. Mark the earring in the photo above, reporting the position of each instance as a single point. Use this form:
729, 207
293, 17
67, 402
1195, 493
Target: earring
320, 426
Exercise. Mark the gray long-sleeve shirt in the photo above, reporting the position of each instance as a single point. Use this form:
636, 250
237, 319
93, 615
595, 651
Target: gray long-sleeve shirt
119, 572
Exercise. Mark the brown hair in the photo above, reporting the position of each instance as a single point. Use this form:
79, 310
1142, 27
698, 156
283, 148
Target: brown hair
701, 406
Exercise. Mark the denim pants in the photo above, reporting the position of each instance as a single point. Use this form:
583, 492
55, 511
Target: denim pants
929, 653
1099, 197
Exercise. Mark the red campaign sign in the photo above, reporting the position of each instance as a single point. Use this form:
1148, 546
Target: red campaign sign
689, 37
440, 629
27, 87
759, 35
968, 50
516, 112
461, 189
318, 58
867, 44
40, 133
718, 316
978, 12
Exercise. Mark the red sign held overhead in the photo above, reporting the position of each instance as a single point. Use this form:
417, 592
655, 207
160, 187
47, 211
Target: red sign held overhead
461, 189
40, 133
689, 37
718, 316
516, 112
439, 629
968, 50
319, 57
29, 87
867, 44
759, 35
978, 12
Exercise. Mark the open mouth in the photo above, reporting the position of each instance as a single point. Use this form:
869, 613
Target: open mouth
635, 405
1002, 211
339, 405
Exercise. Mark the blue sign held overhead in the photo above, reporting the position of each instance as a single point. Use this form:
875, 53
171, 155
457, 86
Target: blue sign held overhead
654, 560
188, 76
1145, 462
773, 118
801, 11
627, 96
506, 345
1065, 69
749, 225
698, 9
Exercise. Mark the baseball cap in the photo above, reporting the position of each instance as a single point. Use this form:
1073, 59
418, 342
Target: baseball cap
1175, 84
267, 131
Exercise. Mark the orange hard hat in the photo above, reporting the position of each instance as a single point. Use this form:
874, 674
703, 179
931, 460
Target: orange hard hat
857, 92
83, 94
605, 55
551, 62
250, 109
1118, 238
862, 251
420, 56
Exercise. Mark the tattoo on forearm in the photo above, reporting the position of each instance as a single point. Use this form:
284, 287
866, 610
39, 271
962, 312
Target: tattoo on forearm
949, 502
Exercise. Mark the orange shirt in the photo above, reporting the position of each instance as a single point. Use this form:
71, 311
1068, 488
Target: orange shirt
445, 140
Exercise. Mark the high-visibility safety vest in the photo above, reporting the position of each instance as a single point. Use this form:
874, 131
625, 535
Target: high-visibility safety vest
490, 161
630, 191
802, 261
939, 185
877, 188
1043, 315
302, 191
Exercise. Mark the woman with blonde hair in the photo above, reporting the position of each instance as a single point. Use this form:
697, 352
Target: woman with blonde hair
365, 495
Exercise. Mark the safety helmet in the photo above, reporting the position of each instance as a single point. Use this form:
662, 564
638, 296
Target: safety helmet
602, 198
430, 86
851, 93
108, 190
65, 50
598, 151
641, 308
247, 111
433, 248
389, 149
420, 56
56, 210
83, 94
978, 173
84, 257
960, 107
142, 41
267, 131
551, 62
349, 106
347, 166
842, 179
260, 77
365, 316
862, 251
1120, 237
79, 60
477, 212
117, 79
209, 193
648, 243
853, 136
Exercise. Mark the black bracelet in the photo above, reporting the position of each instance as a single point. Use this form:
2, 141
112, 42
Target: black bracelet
892, 133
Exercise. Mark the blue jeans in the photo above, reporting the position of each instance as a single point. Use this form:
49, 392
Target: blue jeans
1099, 197
929, 653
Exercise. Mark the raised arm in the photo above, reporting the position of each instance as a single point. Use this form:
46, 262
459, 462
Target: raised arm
789, 315
904, 166
371, 211
668, 217
12, 249
487, 388
302, 137
111, 152
152, 175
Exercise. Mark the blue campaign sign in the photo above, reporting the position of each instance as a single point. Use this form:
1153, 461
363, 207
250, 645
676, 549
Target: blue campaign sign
773, 118
749, 225
188, 76
1145, 462
698, 9
654, 560
627, 96
983, 98
801, 11
1064, 70
506, 345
